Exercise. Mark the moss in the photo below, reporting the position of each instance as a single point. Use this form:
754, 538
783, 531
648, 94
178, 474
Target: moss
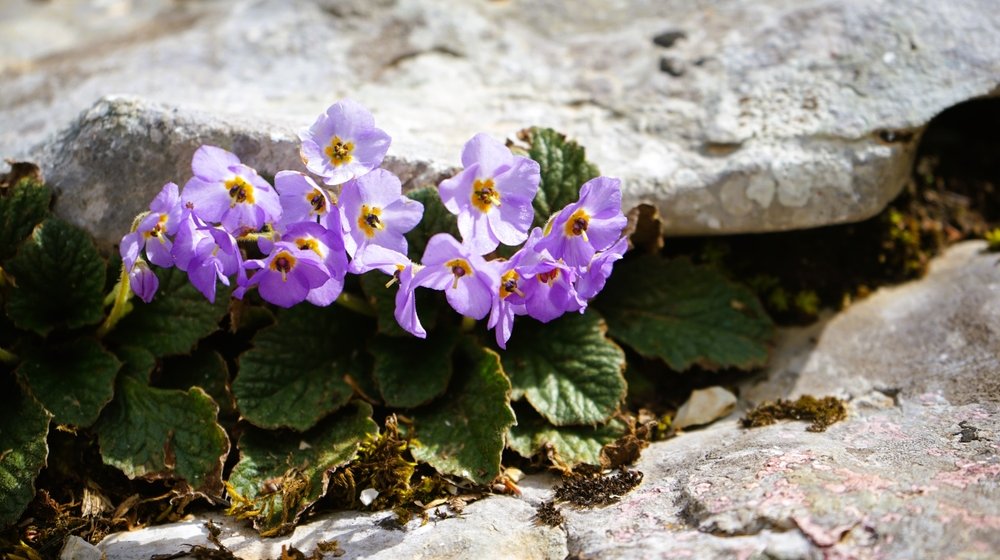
547, 513
993, 240
593, 488
821, 412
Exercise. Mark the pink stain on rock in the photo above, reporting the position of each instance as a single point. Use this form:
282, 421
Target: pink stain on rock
969, 519
851, 481
968, 473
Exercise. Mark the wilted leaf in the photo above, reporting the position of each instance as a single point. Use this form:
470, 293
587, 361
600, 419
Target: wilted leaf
24, 425
463, 432
564, 169
175, 320
684, 314
567, 369
74, 380
59, 276
164, 433
281, 473
294, 374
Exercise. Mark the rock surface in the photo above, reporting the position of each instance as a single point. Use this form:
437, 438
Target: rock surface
913, 472
770, 115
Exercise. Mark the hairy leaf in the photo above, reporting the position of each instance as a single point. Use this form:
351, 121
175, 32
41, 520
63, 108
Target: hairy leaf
59, 277
463, 433
567, 369
156, 433
24, 426
204, 368
136, 362
74, 380
175, 320
294, 374
564, 169
685, 314
281, 473
568, 445
412, 371
22, 207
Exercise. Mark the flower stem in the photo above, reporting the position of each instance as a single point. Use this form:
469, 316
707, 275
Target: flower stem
468, 323
7, 357
356, 304
119, 309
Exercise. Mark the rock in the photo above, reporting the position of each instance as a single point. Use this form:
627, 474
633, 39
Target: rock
110, 163
704, 406
76, 548
787, 115
499, 527
935, 338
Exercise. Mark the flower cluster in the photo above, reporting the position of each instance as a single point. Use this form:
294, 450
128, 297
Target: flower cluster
306, 239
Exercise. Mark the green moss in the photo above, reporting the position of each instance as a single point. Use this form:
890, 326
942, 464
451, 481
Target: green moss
593, 488
822, 412
993, 240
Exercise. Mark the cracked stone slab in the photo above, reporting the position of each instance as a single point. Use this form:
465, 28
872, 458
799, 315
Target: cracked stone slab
768, 115
913, 472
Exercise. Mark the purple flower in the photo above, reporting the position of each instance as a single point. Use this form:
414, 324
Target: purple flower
329, 247
225, 191
302, 200
510, 298
402, 271
206, 253
589, 225
286, 276
591, 282
154, 231
548, 289
467, 280
143, 281
492, 195
373, 211
343, 143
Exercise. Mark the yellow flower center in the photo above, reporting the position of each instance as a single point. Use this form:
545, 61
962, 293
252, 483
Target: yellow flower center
159, 228
369, 220
548, 277
309, 244
339, 151
577, 224
317, 201
283, 262
240, 191
484, 196
508, 284
460, 268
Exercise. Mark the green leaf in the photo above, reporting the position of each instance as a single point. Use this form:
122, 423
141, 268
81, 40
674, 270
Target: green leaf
23, 207
60, 278
384, 300
175, 320
294, 374
564, 169
204, 368
568, 370
24, 427
412, 371
437, 219
155, 433
685, 314
136, 361
570, 445
462, 434
281, 473
74, 380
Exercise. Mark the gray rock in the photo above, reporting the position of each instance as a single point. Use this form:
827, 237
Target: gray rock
779, 120
76, 548
704, 406
108, 166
